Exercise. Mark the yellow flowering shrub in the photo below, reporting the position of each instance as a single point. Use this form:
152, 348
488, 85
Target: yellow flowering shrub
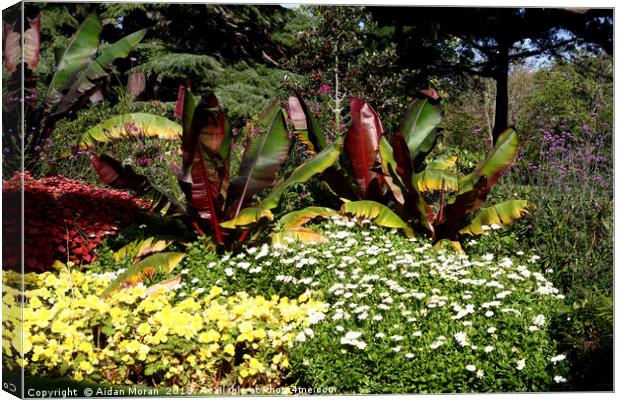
201, 341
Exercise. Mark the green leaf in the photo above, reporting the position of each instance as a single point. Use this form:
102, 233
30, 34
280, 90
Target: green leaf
77, 55
261, 160
303, 235
246, 217
389, 167
501, 214
435, 179
442, 163
269, 112
160, 262
136, 124
500, 158
309, 131
98, 69
419, 127
449, 244
296, 219
302, 173
380, 214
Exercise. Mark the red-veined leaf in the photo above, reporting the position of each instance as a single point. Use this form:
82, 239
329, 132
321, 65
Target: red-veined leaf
32, 42
362, 144
11, 47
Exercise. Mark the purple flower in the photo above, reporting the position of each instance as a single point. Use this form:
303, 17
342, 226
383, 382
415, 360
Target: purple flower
133, 59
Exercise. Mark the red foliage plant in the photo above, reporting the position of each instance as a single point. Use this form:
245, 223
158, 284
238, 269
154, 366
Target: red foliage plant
64, 220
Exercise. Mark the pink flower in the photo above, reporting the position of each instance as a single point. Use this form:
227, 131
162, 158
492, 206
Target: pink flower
325, 89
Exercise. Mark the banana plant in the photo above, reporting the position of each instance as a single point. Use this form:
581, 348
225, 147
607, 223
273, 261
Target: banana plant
403, 159
80, 69
394, 171
217, 204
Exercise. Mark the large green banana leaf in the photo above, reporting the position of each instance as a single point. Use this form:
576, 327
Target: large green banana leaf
500, 214
261, 160
78, 54
376, 212
246, 217
442, 163
435, 179
302, 173
500, 158
98, 69
299, 234
420, 125
135, 124
389, 168
296, 219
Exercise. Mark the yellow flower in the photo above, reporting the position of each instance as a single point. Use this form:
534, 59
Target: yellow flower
133, 346
143, 329
215, 291
86, 367
259, 333
229, 349
257, 365
85, 347
50, 280
209, 336
246, 326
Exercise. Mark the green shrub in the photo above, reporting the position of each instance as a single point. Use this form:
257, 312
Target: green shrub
402, 297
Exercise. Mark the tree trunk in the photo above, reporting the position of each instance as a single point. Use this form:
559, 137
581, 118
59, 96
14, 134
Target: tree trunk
501, 96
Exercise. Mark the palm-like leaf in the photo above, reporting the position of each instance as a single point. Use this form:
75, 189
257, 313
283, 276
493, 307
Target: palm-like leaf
299, 234
302, 173
87, 79
161, 262
500, 214
296, 219
435, 179
380, 214
136, 124
420, 125
262, 158
246, 217
78, 54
